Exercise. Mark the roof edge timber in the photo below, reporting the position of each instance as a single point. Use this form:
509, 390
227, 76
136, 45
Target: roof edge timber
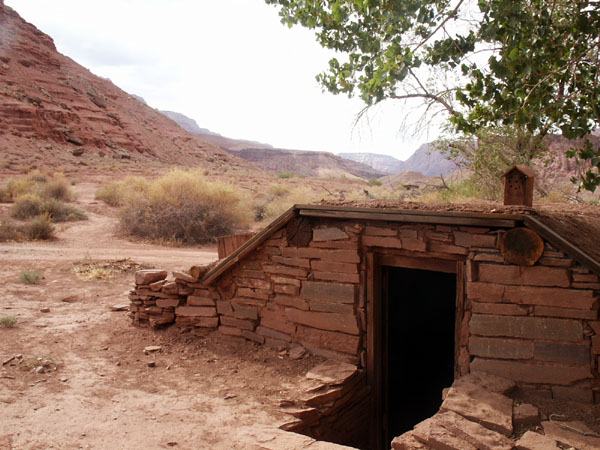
402, 215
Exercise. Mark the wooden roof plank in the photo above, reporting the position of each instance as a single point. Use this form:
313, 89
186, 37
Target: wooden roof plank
558, 241
496, 221
416, 212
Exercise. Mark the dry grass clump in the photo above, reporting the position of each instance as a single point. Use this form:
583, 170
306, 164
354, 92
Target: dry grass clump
116, 193
183, 207
40, 228
31, 276
47, 186
10, 232
8, 321
31, 205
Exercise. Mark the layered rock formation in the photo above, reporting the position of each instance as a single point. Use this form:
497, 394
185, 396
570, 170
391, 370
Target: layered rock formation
50, 105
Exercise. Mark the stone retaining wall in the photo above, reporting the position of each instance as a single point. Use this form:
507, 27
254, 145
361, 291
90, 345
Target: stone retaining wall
537, 325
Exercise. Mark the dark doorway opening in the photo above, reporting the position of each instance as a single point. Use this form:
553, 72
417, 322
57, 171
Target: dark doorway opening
418, 326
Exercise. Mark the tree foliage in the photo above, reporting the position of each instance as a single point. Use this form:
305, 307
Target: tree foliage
532, 64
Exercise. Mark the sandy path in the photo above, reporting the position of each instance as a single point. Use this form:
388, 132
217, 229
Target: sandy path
206, 391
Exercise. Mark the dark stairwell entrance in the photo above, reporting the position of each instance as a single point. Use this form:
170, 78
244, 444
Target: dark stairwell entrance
418, 326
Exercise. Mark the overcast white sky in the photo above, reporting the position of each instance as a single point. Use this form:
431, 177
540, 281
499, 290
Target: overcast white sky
229, 64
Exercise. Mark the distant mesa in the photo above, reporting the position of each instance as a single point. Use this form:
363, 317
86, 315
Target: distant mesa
425, 160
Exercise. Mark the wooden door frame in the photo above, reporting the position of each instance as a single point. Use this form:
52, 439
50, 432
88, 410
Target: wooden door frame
375, 262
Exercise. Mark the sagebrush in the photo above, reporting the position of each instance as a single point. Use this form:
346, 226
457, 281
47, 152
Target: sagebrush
183, 207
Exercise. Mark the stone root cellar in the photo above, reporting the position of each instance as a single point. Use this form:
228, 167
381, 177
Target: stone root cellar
442, 294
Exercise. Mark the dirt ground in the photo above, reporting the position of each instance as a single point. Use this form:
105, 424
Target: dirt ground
96, 389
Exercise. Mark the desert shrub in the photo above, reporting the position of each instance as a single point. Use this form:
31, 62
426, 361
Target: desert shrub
19, 186
38, 176
62, 212
26, 206
182, 207
285, 174
8, 321
39, 228
268, 207
374, 182
5, 196
279, 190
115, 193
58, 188
31, 205
31, 276
10, 232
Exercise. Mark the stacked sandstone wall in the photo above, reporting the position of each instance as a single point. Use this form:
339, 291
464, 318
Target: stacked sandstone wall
537, 325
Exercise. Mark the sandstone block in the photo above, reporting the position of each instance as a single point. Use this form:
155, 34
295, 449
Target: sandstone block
253, 283
318, 305
535, 441
285, 270
561, 352
224, 307
487, 381
328, 339
287, 289
294, 262
170, 287
194, 300
149, 276
230, 331
262, 294
195, 311
345, 323
274, 334
567, 313
206, 322
337, 277
500, 348
525, 414
182, 276
252, 336
157, 285
380, 241
284, 280
413, 245
530, 372
474, 433
490, 409
438, 247
237, 323
249, 273
557, 297
438, 437
168, 302
501, 309
328, 234
291, 301
277, 320
563, 432
485, 292
331, 292
524, 275
244, 311
349, 256
408, 441
327, 266
542, 328
377, 231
